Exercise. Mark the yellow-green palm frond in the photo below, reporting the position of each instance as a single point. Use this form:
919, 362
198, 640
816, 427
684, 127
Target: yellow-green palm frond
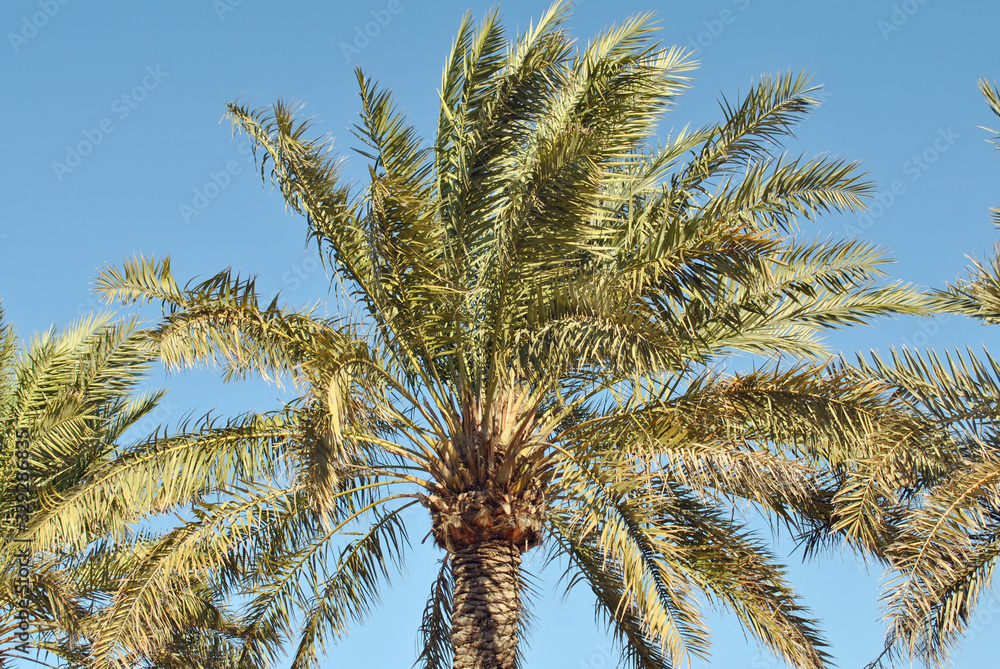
943, 555
946, 547
640, 648
977, 295
221, 321
189, 463
821, 446
347, 594
647, 547
612, 518
299, 568
944, 561
752, 127
309, 178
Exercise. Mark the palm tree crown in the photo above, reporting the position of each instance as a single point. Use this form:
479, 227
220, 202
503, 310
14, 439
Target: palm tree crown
542, 299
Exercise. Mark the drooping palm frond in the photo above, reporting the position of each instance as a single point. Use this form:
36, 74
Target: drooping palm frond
947, 543
645, 550
435, 626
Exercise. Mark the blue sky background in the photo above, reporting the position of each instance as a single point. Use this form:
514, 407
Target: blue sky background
900, 86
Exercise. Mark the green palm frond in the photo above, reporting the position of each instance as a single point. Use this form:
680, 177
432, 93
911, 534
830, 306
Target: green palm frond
347, 594
752, 127
640, 649
435, 626
604, 516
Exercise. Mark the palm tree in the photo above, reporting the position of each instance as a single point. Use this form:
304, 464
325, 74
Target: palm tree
542, 303
949, 543
67, 400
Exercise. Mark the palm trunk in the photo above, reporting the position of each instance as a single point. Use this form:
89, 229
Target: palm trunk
486, 605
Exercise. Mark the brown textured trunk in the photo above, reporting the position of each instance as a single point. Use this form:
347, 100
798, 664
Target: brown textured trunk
486, 605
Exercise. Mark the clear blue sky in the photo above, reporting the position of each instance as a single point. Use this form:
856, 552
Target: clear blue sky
144, 86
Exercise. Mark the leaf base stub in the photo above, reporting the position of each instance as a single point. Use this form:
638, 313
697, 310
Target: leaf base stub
477, 516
